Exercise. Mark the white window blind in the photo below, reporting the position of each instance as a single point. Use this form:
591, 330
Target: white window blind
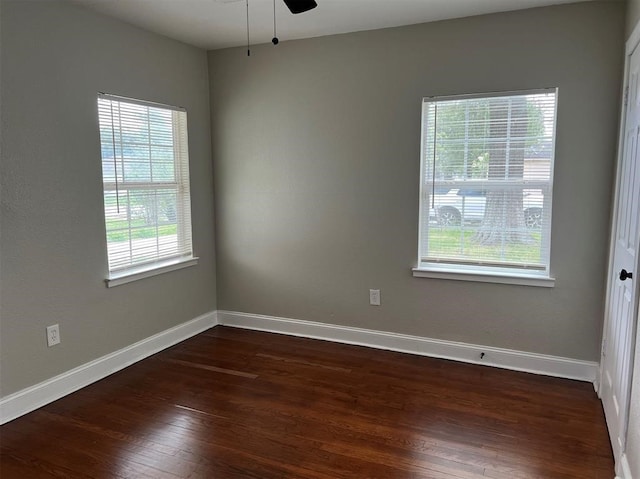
486, 182
145, 170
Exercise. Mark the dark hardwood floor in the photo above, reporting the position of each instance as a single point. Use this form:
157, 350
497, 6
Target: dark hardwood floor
231, 403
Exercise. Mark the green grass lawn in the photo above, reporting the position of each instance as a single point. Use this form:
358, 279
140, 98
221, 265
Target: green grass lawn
453, 242
118, 230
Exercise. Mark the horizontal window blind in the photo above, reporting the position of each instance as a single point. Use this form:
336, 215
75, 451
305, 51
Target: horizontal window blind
486, 181
145, 170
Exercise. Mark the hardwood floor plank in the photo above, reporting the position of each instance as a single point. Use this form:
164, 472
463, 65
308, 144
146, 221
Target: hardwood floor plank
303, 362
14, 463
215, 369
232, 403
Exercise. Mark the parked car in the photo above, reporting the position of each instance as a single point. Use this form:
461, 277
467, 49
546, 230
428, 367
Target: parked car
451, 206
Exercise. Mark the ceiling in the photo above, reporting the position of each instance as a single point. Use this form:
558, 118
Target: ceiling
214, 24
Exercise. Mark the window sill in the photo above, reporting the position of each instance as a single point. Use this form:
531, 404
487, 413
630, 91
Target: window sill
134, 274
468, 274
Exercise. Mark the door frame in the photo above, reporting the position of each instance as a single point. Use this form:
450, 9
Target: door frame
632, 43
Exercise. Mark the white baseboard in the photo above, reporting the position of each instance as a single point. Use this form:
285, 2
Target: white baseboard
34, 397
31, 398
468, 353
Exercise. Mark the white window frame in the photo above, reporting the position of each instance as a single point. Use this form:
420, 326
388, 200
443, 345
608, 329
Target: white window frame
164, 262
447, 269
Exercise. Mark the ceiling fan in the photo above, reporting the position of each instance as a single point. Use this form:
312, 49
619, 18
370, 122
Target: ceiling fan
295, 6
300, 6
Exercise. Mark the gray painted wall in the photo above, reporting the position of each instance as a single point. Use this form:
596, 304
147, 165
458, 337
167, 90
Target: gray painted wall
55, 58
316, 159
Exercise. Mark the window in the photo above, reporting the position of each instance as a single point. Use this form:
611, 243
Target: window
486, 187
145, 172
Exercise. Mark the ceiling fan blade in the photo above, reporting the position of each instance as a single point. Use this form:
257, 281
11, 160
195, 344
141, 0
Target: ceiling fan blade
300, 6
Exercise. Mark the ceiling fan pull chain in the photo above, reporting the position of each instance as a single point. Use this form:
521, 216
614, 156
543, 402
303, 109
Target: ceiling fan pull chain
274, 40
248, 40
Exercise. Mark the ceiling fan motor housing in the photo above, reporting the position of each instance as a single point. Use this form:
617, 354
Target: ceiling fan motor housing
300, 6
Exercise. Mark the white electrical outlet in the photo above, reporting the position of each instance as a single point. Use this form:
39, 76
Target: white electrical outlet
374, 297
53, 335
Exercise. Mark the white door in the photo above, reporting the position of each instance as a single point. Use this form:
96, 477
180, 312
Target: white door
622, 297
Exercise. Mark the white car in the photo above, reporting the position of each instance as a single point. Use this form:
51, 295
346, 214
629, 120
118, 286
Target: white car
451, 206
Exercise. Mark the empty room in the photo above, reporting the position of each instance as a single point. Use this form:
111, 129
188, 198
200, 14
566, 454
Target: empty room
319, 239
